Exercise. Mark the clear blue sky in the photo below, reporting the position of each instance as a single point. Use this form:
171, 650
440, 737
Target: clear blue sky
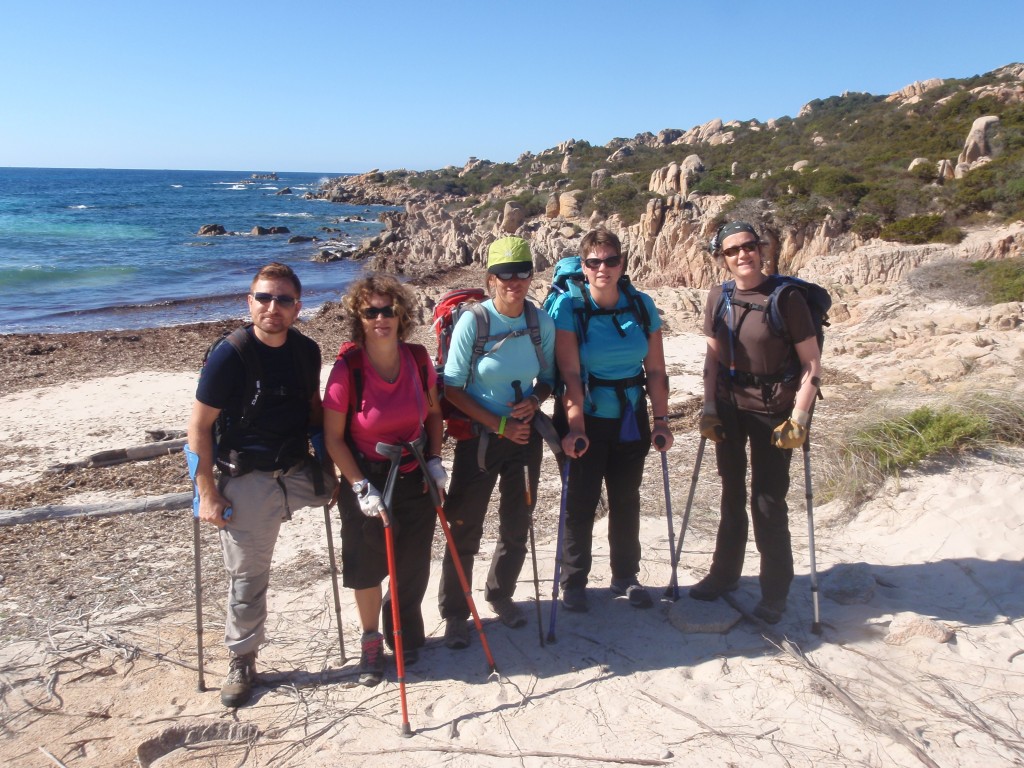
331, 85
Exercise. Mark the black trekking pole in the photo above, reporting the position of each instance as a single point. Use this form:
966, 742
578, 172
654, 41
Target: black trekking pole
334, 581
518, 389
319, 451
192, 461
673, 586
394, 452
579, 445
673, 589
809, 495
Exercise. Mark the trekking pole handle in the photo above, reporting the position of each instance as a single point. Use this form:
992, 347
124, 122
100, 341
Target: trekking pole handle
580, 444
659, 441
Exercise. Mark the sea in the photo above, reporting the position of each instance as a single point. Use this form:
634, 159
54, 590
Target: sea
99, 249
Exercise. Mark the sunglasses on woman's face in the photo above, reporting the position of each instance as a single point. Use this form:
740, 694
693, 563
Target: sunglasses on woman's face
595, 264
748, 247
525, 274
372, 313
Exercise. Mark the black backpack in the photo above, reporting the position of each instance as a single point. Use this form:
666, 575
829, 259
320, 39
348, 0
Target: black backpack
241, 340
819, 302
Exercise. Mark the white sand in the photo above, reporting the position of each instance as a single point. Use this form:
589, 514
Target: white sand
938, 552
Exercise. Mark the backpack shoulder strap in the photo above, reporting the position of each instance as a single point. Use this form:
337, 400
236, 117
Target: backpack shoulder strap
423, 362
305, 359
533, 326
242, 342
352, 356
722, 306
637, 303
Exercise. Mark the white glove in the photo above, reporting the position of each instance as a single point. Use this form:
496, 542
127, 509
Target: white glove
370, 501
436, 471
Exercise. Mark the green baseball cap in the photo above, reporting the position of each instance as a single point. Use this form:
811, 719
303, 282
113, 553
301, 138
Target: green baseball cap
507, 253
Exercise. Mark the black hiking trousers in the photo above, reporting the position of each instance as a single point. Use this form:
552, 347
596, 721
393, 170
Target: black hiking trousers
620, 466
469, 495
769, 484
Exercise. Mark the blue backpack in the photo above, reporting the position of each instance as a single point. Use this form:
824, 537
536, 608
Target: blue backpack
568, 278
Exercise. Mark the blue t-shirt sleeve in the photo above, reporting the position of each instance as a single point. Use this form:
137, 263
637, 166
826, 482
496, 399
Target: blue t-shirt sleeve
652, 312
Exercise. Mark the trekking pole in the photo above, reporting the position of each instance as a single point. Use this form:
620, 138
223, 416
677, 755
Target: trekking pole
673, 589
580, 444
394, 452
334, 581
809, 495
435, 497
319, 451
517, 387
192, 460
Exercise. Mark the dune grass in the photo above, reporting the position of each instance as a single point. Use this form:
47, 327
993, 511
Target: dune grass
857, 465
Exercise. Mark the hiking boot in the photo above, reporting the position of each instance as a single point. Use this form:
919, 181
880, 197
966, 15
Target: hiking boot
371, 660
770, 611
508, 612
633, 590
709, 588
456, 634
575, 599
237, 687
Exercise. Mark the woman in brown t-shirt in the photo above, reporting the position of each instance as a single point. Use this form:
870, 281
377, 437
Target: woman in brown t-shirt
759, 386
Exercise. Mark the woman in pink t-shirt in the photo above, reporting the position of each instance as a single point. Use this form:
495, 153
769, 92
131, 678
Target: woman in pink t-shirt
383, 390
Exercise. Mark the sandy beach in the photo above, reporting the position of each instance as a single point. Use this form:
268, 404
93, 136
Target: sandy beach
920, 659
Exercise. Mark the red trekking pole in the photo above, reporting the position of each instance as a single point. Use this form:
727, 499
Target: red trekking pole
395, 453
435, 496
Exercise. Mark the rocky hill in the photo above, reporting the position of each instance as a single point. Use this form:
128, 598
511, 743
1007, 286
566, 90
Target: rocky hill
888, 181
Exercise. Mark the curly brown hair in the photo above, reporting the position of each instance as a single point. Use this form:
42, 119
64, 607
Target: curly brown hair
358, 298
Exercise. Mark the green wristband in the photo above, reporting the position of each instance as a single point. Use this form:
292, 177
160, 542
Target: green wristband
501, 426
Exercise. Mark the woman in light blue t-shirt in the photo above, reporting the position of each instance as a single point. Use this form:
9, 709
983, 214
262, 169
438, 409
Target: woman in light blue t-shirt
610, 356
501, 392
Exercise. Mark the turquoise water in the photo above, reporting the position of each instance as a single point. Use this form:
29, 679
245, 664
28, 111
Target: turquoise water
117, 249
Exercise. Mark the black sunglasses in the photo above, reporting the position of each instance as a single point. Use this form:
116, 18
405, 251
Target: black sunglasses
506, 276
595, 264
372, 313
750, 246
282, 301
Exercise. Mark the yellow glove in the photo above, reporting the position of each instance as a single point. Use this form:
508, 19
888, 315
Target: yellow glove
793, 431
711, 426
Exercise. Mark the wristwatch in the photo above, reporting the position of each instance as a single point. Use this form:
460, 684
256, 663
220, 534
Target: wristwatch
359, 488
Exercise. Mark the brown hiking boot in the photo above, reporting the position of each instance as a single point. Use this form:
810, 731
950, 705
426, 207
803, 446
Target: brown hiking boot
237, 687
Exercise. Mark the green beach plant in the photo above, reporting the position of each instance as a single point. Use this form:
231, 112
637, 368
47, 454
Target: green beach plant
858, 464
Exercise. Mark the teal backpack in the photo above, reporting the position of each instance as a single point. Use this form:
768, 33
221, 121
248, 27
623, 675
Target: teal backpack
568, 279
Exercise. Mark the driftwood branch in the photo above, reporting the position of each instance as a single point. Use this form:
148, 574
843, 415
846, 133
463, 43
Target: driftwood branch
165, 502
122, 455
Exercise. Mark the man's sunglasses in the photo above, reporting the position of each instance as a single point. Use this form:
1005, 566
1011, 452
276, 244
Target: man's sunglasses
506, 276
595, 264
372, 313
282, 301
750, 246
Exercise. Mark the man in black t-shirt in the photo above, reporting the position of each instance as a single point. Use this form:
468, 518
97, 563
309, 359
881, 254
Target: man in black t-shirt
267, 472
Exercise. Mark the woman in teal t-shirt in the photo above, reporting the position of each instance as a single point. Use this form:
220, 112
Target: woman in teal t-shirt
501, 391
606, 369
